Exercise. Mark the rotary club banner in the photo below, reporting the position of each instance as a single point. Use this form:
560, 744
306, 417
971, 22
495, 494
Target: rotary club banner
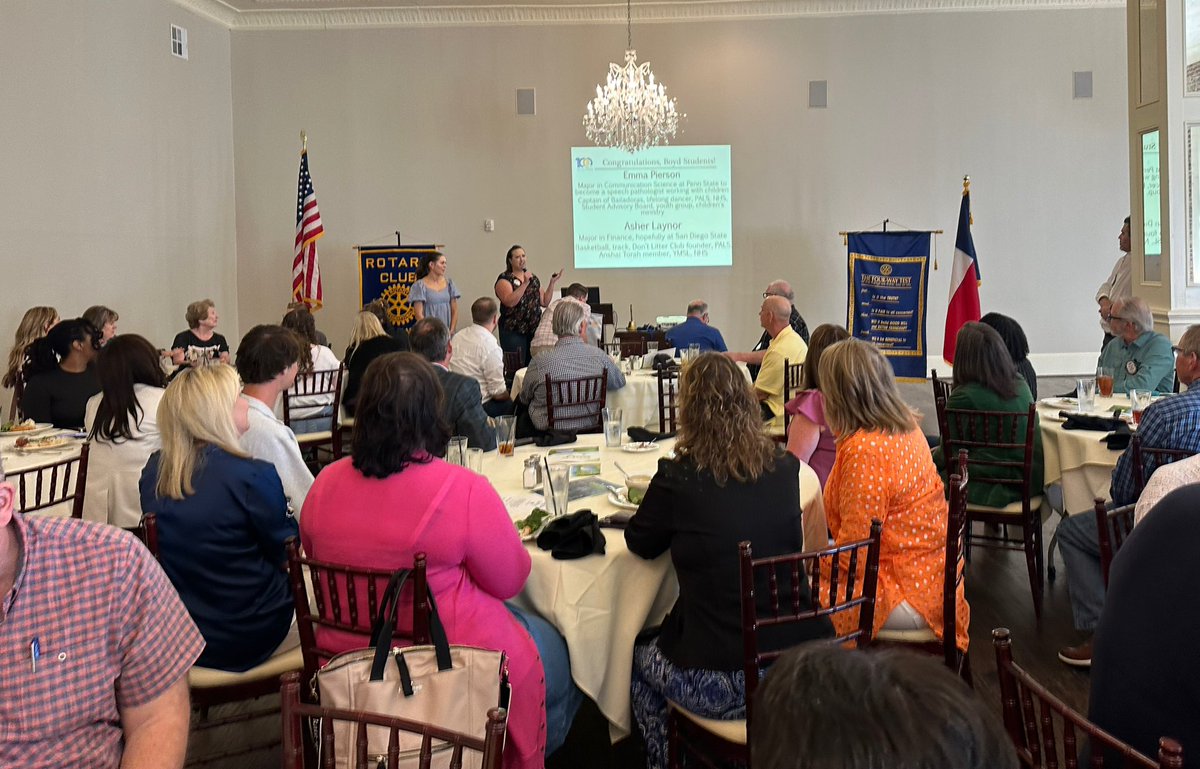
888, 282
388, 273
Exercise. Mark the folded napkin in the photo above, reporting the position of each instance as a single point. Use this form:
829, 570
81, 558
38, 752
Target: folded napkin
571, 536
1086, 422
642, 435
554, 438
1118, 440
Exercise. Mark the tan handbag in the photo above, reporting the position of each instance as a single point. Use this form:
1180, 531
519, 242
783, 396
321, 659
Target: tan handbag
451, 687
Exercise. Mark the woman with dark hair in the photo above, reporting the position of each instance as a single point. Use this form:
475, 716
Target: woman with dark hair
728, 482
122, 424
1017, 345
433, 295
310, 413
395, 497
59, 377
809, 437
521, 301
985, 380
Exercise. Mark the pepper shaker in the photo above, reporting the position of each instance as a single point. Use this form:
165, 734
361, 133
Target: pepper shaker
531, 478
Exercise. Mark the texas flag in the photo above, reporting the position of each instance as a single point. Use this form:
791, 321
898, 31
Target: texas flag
964, 279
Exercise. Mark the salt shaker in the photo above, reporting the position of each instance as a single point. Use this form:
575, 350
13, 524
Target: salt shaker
531, 478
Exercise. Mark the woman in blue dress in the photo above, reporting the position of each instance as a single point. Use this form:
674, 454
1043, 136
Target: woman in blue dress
434, 295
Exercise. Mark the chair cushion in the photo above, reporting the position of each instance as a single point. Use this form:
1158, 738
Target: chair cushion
207, 678
1012, 508
324, 436
730, 731
922, 636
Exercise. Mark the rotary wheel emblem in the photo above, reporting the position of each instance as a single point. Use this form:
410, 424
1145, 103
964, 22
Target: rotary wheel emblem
399, 311
885, 269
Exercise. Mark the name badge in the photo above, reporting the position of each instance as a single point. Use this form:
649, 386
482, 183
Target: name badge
1131, 366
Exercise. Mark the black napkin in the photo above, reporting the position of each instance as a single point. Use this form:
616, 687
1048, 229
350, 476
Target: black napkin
554, 438
576, 535
642, 435
1085, 422
663, 361
1118, 440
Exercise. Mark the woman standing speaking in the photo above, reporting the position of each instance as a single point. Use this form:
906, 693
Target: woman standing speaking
521, 301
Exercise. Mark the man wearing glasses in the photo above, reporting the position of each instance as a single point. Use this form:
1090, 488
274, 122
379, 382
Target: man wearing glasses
1139, 356
754, 358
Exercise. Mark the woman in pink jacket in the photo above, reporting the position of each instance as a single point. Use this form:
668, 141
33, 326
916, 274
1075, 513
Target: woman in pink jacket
395, 498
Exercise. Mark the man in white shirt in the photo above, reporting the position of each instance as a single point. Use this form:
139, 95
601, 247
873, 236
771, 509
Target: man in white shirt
477, 354
1119, 284
544, 339
268, 360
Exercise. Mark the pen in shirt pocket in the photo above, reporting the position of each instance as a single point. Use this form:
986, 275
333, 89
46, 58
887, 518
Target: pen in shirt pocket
35, 653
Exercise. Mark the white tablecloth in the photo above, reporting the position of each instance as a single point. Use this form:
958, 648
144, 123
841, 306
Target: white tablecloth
1077, 459
14, 462
601, 603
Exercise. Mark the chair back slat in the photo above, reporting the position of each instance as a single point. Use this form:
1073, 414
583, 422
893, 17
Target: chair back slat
514, 361
1033, 734
575, 404
314, 384
668, 400
793, 374
956, 566
1147, 459
57, 483
1112, 527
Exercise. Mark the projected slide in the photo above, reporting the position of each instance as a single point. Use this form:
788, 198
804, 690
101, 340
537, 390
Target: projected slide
661, 207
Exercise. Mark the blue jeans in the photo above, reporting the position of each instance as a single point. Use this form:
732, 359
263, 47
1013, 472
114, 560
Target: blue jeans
314, 423
1079, 541
562, 695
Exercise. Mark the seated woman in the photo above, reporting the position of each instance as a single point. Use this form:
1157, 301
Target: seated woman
122, 424
59, 377
310, 413
104, 320
985, 380
200, 344
35, 324
729, 482
368, 341
1016, 344
884, 470
222, 522
394, 498
809, 437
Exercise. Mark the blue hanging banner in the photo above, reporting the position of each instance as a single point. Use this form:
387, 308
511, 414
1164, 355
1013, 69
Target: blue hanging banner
387, 273
888, 281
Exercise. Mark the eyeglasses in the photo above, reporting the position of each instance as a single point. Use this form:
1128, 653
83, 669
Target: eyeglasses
1181, 351
1113, 316
767, 294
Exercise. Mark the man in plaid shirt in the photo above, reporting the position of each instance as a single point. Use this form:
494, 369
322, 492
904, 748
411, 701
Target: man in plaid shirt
95, 648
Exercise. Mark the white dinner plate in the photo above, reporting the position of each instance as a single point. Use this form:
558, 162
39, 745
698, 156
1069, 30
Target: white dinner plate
621, 499
55, 444
1053, 416
1060, 403
37, 429
640, 447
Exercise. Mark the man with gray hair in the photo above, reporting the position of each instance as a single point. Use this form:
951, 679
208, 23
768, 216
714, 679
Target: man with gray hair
570, 358
754, 358
462, 406
1139, 356
695, 330
544, 338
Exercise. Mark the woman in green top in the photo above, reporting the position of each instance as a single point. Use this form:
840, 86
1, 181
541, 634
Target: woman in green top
986, 380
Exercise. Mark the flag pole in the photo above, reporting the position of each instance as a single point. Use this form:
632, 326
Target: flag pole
303, 143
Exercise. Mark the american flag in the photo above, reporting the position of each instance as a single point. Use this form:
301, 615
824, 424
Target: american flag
306, 275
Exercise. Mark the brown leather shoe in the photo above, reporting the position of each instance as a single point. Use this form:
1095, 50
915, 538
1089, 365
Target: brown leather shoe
1077, 656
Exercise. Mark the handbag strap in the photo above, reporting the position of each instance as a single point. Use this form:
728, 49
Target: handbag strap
437, 633
385, 622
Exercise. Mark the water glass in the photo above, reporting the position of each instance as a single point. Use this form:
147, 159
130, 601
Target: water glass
1104, 381
506, 434
693, 351
456, 450
559, 483
1085, 390
614, 426
651, 348
474, 460
1138, 401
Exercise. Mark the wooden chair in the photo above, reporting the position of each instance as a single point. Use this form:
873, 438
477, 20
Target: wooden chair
632, 346
833, 574
941, 387
612, 348
574, 404
147, 532
57, 483
793, 373
952, 579
1147, 459
14, 406
514, 361
326, 382
1112, 527
1030, 716
983, 433
334, 602
490, 745
668, 400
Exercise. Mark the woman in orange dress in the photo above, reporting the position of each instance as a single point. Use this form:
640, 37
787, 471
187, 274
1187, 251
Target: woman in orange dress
884, 470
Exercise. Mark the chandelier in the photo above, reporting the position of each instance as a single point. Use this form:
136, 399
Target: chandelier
631, 111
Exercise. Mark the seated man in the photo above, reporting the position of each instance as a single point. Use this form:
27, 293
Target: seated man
544, 338
268, 360
477, 355
462, 408
97, 647
1170, 423
571, 358
754, 358
1139, 356
695, 330
785, 344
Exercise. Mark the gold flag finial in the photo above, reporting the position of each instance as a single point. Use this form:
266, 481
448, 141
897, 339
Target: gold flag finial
966, 189
303, 142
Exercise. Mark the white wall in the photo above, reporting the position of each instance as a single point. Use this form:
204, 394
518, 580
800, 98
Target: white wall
117, 163
416, 130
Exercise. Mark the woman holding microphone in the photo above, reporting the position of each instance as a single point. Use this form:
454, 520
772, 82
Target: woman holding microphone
521, 301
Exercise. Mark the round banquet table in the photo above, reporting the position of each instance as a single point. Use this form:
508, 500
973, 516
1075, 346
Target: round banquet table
601, 603
15, 462
1079, 460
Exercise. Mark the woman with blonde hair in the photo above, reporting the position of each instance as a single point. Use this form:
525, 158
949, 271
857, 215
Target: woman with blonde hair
884, 470
728, 482
35, 324
809, 436
368, 341
222, 521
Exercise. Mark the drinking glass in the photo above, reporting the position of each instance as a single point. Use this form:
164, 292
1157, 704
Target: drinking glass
1138, 401
474, 460
506, 433
559, 488
614, 426
1104, 381
456, 450
693, 351
1085, 389
651, 348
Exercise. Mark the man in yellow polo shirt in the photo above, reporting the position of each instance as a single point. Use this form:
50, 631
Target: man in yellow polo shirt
775, 317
